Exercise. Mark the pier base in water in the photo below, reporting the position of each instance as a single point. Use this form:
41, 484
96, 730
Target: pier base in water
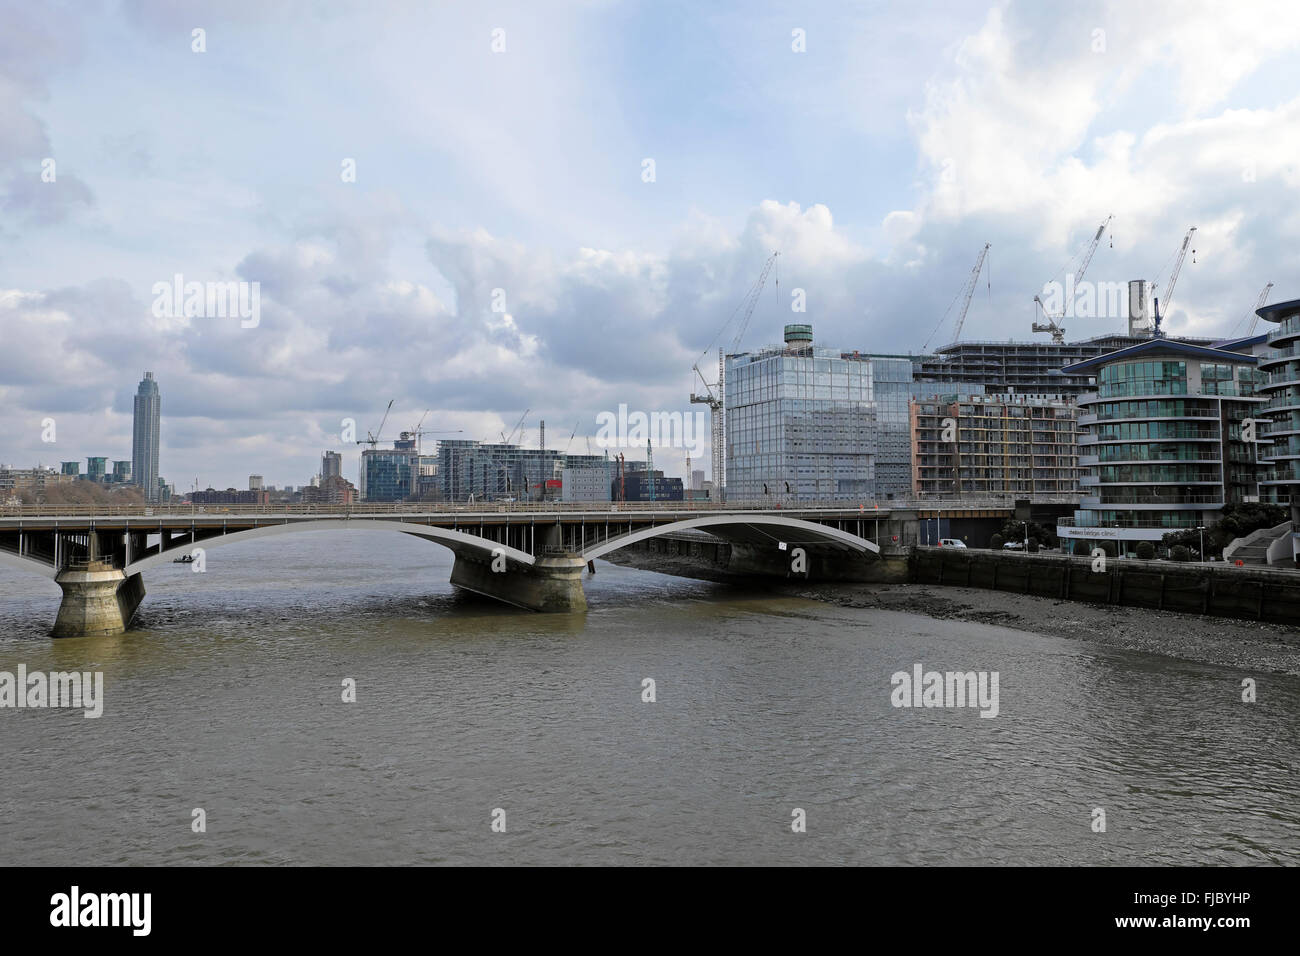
97, 599
551, 584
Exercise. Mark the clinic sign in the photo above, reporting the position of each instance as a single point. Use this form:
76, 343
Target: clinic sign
1108, 534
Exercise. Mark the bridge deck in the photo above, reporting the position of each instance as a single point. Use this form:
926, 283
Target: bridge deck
153, 519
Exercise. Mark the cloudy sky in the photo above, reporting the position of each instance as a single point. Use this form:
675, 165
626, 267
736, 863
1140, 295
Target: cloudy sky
502, 146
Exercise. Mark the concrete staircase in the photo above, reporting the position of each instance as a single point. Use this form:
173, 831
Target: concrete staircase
1254, 547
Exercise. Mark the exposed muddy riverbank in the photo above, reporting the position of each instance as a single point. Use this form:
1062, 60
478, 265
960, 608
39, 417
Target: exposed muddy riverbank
1213, 640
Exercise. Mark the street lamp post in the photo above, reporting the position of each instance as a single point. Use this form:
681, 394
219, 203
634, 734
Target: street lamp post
1201, 529
1026, 524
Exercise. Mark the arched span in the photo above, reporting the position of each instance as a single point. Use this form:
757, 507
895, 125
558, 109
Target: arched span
457, 541
819, 533
24, 563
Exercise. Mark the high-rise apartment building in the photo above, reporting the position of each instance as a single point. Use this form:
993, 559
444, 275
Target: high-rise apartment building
331, 465
1281, 449
1163, 443
145, 436
990, 445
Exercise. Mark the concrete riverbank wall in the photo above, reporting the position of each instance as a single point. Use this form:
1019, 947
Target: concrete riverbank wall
1250, 593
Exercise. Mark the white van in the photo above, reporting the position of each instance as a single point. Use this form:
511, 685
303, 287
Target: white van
951, 543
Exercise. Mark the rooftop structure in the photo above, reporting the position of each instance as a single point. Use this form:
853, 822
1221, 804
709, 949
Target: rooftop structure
1034, 367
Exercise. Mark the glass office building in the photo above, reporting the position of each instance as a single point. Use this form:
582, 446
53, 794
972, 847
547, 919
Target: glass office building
389, 474
1161, 441
809, 424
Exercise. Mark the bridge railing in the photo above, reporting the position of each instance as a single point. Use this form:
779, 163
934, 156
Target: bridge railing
367, 509
380, 509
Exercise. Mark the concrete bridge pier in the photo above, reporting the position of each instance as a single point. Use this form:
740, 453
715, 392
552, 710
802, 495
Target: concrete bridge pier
98, 599
553, 583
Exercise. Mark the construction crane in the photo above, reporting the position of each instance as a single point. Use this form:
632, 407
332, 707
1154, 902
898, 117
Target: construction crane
1253, 314
965, 294
373, 439
421, 432
717, 426
1052, 325
575, 432
751, 299
505, 440
716, 418
1173, 277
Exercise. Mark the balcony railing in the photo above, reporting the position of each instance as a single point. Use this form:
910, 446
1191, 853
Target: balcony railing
1280, 401
1142, 417
1167, 522
1105, 501
1121, 459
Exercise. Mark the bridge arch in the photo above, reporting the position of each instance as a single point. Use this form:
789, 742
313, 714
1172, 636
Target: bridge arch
24, 563
804, 532
458, 541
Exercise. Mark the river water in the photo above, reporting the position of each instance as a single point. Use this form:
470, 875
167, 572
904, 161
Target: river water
227, 696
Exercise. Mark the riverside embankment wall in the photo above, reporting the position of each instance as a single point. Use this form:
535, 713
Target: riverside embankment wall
1251, 593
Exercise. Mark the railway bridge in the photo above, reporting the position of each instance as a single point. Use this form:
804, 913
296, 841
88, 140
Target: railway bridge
528, 555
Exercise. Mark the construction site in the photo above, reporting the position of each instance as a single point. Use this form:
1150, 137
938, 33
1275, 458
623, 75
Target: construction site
800, 422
